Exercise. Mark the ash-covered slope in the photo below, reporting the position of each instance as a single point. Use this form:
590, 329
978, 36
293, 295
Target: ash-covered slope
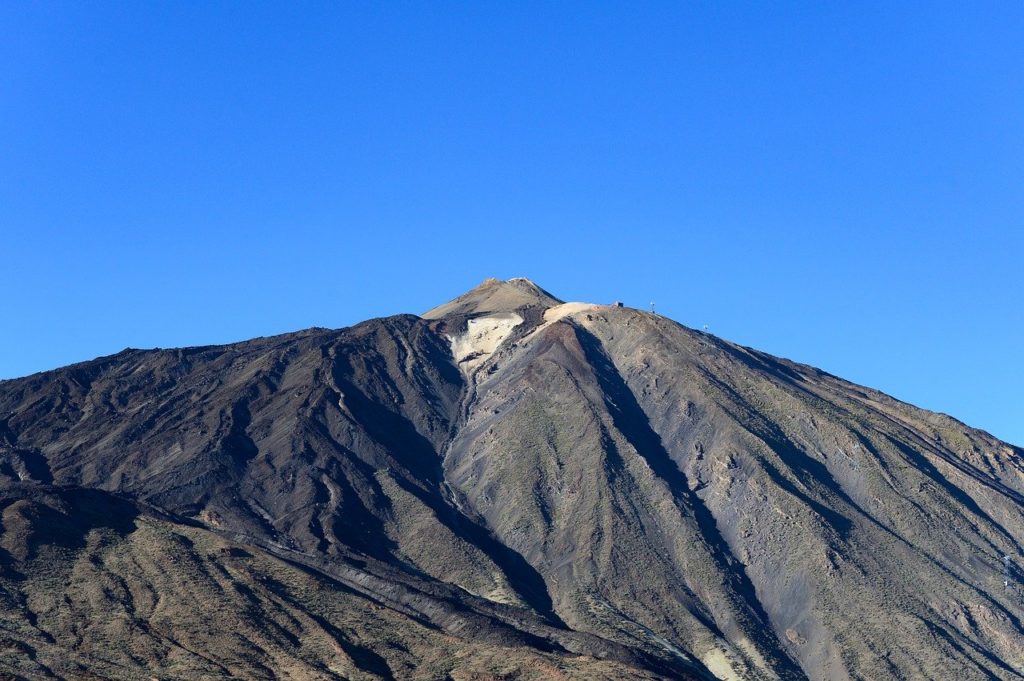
556, 488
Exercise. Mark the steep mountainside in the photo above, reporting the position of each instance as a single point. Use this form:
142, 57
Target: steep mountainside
507, 487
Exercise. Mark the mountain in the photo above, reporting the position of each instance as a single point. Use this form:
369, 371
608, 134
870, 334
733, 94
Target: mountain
507, 487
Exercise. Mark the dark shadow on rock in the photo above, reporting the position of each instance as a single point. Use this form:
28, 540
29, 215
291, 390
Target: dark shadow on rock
805, 468
955, 643
400, 438
353, 522
918, 460
24, 465
630, 419
237, 443
63, 516
363, 657
522, 576
37, 466
7, 435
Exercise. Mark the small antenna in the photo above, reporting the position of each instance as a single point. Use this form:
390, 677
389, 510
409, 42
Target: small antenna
652, 307
705, 328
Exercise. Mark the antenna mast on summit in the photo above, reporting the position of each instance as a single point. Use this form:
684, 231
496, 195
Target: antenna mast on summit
652, 308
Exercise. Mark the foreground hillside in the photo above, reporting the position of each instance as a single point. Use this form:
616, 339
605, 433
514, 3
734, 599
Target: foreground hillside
94, 586
506, 487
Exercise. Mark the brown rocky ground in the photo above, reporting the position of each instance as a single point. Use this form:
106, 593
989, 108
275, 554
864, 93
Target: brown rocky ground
507, 487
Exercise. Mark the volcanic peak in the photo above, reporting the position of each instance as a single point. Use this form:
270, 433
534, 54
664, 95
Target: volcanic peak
495, 295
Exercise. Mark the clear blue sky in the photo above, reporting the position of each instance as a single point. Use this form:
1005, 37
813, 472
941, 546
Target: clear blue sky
841, 185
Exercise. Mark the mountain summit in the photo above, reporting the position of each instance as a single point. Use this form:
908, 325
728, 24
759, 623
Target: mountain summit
507, 487
495, 295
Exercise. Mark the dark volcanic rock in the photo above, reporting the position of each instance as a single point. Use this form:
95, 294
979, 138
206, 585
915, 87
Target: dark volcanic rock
510, 486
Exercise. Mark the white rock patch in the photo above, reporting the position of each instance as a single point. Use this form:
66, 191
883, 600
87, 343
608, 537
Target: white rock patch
553, 314
482, 337
717, 662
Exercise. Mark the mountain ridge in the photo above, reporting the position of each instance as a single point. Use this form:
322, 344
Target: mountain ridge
590, 482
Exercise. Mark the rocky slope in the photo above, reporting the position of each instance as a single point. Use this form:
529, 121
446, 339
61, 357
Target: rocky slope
507, 487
